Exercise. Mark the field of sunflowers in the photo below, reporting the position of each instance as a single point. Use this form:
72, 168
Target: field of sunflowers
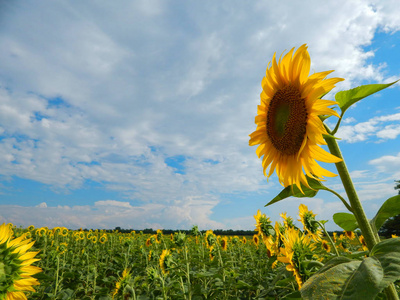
43, 263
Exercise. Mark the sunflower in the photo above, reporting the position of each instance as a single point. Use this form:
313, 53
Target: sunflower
280, 230
289, 129
363, 243
325, 245
224, 243
81, 235
165, 259
62, 248
16, 265
122, 282
212, 252
297, 248
256, 240
307, 218
350, 235
210, 238
334, 236
103, 238
159, 235
263, 225
287, 221
64, 231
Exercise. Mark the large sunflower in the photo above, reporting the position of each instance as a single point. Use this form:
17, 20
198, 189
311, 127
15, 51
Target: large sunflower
289, 129
16, 268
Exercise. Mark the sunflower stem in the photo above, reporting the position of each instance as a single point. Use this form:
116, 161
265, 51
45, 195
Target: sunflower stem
371, 238
355, 202
342, 199
329, 237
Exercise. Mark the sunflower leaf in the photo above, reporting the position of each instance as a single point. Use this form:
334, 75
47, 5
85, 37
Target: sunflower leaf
294, 191
346, 221
347, 98
356, 279
390, 208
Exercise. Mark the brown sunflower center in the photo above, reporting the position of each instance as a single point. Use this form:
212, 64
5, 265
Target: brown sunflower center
287, 120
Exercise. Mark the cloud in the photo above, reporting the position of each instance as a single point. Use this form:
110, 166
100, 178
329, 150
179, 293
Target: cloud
389, 164
374, 127
109, 214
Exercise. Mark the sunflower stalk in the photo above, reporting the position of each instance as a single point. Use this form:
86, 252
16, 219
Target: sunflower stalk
328, 236
371, 237
358, 211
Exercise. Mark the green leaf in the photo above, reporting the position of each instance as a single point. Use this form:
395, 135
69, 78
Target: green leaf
389, 245
390, 208
344, 279
293, 190
330, 283
346, 221
349, 97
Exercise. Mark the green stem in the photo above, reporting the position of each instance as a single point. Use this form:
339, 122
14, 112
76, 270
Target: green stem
371, 238
341, 198
188, 272
355, 202
330, 239
58, 270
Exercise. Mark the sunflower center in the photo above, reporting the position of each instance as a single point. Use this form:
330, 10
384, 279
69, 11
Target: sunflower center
287, 120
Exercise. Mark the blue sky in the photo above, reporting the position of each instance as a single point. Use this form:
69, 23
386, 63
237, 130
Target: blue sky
138, 114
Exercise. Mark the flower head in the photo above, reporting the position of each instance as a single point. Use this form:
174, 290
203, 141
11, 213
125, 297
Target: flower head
256, 240
325, 245
165, 260
263, 225
62, 248
363, 243
350, 235
16, 268
287, 221
297, 247
307, 218
289, 129
210, 238
122, 282
224, 243
103, 238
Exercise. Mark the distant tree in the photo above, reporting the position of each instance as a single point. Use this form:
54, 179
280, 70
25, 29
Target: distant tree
392, 225
397, 187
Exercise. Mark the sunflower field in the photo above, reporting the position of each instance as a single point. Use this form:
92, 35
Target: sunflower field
74, 264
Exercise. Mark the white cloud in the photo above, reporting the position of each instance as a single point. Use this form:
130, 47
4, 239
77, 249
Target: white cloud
359, 174
374, 127
389, 164
109, 214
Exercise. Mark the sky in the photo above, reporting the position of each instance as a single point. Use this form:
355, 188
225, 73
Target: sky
136, 114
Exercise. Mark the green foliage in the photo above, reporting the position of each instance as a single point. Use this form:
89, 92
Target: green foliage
346, 221
397, 187
293, 190
390, 208
349, 97
343, 278
391, 226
